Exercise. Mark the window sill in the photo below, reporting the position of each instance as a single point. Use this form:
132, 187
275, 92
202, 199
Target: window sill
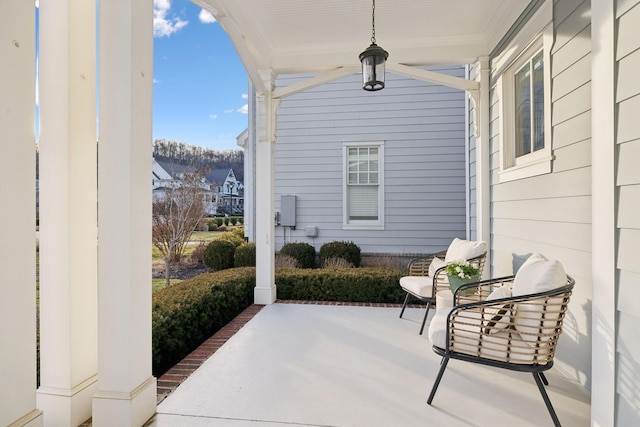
540, 166
363, 226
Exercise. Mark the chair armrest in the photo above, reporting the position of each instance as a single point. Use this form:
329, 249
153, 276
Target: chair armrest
420, 266
482, 289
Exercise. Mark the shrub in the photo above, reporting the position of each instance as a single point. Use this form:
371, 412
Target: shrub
347, 285
245, 255
232, 237
239, 231
286, 261
189, 312
303, 252
219, 221
336, 263
197, 255
346, 250
240, 220
219, 254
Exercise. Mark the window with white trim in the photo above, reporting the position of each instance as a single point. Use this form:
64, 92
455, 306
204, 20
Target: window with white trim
363, 185
524, 88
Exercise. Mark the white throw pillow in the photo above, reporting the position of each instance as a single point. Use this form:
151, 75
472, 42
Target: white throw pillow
537, 274
465, 249
498, 317
436, 264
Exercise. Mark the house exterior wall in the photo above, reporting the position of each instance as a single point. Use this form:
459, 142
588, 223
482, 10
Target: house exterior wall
551, 213
423, 129
627, 99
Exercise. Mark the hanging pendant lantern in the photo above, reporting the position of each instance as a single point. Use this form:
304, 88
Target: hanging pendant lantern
373, 60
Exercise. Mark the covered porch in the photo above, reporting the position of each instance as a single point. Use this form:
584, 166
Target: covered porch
95, 248
340, 365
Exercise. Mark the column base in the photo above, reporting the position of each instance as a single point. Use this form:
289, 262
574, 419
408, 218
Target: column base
34, 418
115, 408
66, 407
264, 296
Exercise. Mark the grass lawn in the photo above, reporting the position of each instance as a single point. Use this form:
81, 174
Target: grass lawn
196, 238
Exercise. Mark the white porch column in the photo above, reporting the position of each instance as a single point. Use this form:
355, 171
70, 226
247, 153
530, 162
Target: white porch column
18, 216
483, 154
603, 235
68, 211
265, 290
126, 388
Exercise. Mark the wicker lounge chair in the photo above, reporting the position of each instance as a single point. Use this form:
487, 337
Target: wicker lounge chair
427, 276
519, 333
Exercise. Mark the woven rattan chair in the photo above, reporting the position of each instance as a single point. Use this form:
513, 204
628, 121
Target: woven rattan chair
427, 276
518, 333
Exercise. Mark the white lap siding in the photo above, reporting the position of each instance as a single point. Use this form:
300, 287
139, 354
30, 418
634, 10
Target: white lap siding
551, 213
628, 211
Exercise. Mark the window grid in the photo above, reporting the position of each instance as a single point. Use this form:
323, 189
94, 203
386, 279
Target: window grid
363, 204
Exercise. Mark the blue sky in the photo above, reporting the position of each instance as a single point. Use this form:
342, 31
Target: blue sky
200, 85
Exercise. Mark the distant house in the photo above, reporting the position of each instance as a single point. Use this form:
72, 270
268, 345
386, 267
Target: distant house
224, 194
227, 191
168, 175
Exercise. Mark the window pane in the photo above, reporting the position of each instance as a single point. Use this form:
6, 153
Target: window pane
363, 202
362, 185
523, 111
538, 102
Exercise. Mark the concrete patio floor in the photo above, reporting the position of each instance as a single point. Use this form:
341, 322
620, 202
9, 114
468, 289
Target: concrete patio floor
328, 365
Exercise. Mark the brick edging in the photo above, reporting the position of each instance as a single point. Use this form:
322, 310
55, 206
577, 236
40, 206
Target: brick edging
171, 379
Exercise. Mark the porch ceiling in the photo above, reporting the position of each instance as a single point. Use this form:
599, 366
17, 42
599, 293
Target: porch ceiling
291, 36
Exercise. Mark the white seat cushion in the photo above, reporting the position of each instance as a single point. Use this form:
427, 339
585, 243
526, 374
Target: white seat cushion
464, 250
417, 285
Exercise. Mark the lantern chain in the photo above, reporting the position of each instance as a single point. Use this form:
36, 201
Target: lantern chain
373, 23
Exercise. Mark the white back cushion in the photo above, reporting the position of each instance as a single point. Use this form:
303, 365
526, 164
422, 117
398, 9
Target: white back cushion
537, 274
436, 263
465, 249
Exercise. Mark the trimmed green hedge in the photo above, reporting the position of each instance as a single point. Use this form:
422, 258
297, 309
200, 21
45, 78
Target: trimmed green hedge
189, 312
344, 285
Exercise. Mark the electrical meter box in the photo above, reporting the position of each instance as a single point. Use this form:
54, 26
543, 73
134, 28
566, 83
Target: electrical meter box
288, 210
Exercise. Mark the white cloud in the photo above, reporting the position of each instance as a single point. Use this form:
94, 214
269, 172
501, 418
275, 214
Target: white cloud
206, 17
245, 96
244, 109
37, 4
163, 23
156, 81
229, 110
213, 116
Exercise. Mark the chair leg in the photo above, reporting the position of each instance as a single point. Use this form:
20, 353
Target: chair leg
543, 378
425, 318
547, 402
406, 299
443, 366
